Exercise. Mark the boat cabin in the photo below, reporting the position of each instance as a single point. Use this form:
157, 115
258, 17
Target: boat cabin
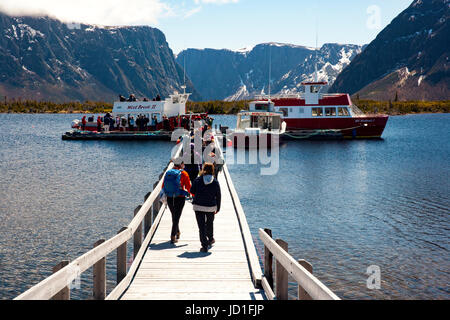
172, 106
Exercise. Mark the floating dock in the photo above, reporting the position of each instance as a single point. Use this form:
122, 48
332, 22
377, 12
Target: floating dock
117, 135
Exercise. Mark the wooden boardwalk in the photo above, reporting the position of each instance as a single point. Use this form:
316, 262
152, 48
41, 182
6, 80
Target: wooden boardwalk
180, 271
231, 269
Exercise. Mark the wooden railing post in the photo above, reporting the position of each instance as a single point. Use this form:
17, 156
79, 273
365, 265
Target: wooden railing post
99, 276
121, 259
148, 217
64, 294
156, 204
268, 262
281, 286
137, 235
302, 294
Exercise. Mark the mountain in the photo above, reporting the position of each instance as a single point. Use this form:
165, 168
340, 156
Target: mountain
45, 59
409, 58
242, 74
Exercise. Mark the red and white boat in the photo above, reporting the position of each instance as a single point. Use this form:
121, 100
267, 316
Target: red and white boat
312, 114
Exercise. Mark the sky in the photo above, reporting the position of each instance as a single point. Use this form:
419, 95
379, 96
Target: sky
230, 24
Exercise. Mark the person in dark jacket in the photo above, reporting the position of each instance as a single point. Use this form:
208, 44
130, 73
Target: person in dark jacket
206, 204
193, 168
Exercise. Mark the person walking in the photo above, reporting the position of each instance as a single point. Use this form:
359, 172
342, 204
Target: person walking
176, 186
206, 203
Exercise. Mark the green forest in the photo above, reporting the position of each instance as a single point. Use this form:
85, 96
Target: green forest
218, 107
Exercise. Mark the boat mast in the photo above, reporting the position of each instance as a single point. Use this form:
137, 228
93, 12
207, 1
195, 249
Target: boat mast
270, 66
184, 74
316, 78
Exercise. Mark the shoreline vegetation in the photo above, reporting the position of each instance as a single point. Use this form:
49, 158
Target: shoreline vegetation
219, 107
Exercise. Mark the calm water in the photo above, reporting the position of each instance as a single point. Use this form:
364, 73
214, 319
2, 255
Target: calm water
342, 205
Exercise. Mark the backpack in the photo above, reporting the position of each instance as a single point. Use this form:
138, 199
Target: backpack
172, 183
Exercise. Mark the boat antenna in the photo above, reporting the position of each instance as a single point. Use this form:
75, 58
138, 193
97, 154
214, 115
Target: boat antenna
317, 48
184, 73
270, 66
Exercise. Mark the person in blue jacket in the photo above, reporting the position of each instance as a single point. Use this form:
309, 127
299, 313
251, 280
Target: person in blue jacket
206, 203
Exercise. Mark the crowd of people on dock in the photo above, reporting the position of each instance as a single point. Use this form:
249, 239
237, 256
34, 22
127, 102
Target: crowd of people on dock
197, 180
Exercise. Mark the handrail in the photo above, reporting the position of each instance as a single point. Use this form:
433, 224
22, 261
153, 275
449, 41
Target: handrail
50, 286
305, 279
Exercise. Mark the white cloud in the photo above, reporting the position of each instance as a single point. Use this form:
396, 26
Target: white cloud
102, 12
192, 12
216, 1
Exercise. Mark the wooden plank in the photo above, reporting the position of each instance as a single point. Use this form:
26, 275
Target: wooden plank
99, 276
267, 289
282, 281
316, 289
63, 294
248, 239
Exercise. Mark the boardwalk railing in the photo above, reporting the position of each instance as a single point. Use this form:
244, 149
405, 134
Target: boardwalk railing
309, 287
57, 286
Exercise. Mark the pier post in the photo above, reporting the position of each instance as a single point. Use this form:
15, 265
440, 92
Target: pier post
64, 294
148, 217
281, 275
137, 235
268, 261
156, 205
99, 276
302, 294
121, 259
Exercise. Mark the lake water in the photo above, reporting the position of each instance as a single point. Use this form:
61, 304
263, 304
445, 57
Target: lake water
341, 205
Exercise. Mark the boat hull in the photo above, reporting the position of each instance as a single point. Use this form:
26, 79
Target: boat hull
242, 140
346, 128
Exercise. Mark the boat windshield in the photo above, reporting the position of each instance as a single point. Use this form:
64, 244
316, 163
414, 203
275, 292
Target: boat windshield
259, 121
356, 111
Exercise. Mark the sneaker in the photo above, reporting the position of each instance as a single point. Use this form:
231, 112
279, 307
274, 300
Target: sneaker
212, 241
204, 249
173, 240
178, 235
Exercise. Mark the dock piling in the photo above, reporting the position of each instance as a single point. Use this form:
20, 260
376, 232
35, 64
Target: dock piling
99, 276
137, 238
63, 294
281, 274
121, 259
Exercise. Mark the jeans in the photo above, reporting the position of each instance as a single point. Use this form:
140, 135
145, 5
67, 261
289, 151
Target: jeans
176, 205
205, 222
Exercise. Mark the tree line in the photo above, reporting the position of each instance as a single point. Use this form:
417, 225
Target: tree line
216, 107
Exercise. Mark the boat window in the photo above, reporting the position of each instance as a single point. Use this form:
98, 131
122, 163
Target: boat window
314, 89
343, 112
317, 112
285, 111
330, 112
261, 106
